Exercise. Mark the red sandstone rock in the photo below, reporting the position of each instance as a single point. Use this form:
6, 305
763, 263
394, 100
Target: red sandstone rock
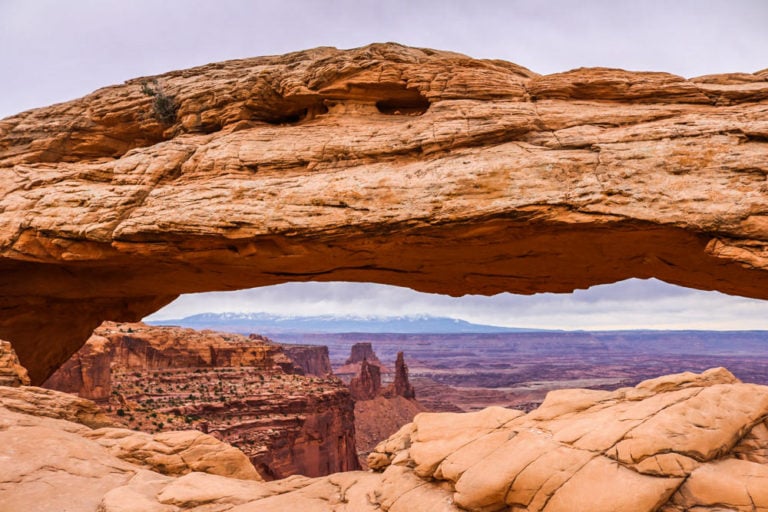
389, 164
309, 359
367, 384
667, 444
379, 413
401, 386
360, 352
232, 387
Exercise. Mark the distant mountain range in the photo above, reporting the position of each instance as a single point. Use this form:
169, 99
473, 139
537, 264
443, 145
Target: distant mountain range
264, 323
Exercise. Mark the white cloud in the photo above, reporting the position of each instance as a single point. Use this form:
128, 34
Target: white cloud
631, 304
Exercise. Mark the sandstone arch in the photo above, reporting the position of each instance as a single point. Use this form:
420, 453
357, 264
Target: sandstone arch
385, 163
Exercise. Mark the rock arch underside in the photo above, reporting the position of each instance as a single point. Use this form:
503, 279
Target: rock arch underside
389, 164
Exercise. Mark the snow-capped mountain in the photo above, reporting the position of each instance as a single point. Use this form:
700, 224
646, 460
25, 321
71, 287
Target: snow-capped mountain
267, 323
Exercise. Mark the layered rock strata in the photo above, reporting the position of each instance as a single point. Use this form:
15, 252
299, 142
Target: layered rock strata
161, 379
379, 411
389, 164
11, 371
683, 442
309, 359
362, 351
366, 385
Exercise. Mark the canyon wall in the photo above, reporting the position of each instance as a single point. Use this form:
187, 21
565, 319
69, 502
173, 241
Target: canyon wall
235, 388
310, 359
379, 411
389, 164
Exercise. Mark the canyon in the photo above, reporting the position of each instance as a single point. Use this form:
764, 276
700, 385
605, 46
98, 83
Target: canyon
278, 403
397, 165
246, 391
380, 411
455, 372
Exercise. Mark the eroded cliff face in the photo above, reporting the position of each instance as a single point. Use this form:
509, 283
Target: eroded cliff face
389, 164
379, 411
366, 385
161, 379
309, 359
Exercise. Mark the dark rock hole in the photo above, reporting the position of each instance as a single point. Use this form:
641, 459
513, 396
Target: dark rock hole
414, 105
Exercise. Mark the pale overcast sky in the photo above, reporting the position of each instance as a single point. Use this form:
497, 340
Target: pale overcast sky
57, 50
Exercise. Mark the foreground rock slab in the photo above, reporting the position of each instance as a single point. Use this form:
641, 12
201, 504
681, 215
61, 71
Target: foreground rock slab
676, 443
685, 442
389, 164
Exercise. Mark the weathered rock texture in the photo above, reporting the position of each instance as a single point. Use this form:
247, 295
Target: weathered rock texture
401, 386
390, 164
11, 371
679, 443
309, 359
362, 351
176, 453
379, 412
162, 379
366, 385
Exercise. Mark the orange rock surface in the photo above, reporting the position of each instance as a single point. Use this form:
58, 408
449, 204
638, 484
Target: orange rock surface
685, 442
389, 164
677, 443
11, 372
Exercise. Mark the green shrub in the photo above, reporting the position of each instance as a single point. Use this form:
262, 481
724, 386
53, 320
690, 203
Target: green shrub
164, 107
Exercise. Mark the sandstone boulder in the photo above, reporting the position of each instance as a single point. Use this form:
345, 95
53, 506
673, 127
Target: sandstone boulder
673, 444
176, 453
53, 404
11, 371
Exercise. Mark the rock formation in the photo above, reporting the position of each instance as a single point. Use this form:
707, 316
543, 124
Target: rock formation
309, 359
352, 367
683, 442
160, 379
388, 164
176, 453
379, 412
362, 351
11, 371
139, 347
677, 443
366, 385
401, 386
